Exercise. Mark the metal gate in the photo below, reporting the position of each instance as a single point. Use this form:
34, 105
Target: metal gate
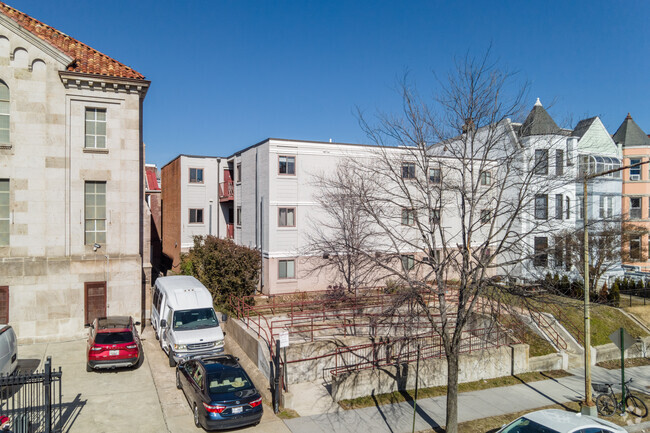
32, 400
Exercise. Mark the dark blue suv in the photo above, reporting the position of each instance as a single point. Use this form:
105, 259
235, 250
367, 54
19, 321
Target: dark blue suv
220, 393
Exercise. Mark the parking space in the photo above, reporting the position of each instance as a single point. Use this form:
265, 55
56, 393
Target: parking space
175, 408
110, 401
143, 399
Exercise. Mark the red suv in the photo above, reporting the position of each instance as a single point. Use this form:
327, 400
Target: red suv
113, 342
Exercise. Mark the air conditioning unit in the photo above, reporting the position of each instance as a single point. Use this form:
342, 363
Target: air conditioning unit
635, 177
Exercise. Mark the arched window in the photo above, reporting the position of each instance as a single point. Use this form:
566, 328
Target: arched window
4, 114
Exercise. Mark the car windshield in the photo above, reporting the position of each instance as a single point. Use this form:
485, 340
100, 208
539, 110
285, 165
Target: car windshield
524, 425
195, 319
229, 380
114, 337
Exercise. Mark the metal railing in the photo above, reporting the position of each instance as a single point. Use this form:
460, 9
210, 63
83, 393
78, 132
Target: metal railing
33, 400
405, 350
226, 191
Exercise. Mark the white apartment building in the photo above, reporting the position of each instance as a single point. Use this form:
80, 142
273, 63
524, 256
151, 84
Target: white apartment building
71, 182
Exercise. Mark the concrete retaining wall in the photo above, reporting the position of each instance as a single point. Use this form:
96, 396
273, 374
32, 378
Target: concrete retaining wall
553, 361
254, 347
485, 364
608, 352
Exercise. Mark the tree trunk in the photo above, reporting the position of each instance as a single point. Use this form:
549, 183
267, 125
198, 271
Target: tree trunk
451, 422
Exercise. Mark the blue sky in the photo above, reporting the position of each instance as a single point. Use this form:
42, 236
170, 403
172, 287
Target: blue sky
227, 74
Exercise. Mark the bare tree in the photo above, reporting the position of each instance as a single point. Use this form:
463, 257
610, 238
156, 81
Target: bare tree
341, 234
451, 198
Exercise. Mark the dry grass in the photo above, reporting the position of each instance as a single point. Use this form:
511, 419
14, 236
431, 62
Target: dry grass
641, 312
615, 364
437, 391
287, 413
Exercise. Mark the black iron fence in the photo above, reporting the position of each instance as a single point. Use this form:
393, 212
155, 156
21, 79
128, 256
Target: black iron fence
32, 400
635, 297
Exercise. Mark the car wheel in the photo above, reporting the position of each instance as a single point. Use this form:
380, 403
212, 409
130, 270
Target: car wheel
172, 363
178, 380
197, 421
89, 368
155, 333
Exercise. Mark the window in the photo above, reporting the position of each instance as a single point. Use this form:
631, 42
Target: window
196, 175
541, 253
485, 216
568, 208
486, 178
635, 208
95, 128
408, 261
286, 269
635, 172
559, 162
196, 216
635, 248
558, 206
408, 170
238, 220
435, 216
559, 252
606, 208
435, 175
4, 304
287, 165
4, 212
4, 114
95, 212
238, 174
541, 161
287, 217
541, 206
408, 217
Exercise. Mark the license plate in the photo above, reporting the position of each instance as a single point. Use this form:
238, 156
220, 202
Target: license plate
237, 409
113, 352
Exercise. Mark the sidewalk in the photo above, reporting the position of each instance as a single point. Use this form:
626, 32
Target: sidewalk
398, 418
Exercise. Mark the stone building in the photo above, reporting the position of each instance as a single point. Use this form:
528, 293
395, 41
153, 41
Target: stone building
71, 182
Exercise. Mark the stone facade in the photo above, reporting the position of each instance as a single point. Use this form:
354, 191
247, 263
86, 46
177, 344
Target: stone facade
47, 260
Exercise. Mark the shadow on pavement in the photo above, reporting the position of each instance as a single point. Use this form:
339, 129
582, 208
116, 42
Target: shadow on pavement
542, 394
70, 412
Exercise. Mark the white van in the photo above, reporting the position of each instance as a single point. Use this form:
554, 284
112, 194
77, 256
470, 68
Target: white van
184, 319
8, 350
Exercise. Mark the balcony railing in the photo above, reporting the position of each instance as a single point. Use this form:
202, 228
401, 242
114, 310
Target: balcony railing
226, 191
230, 231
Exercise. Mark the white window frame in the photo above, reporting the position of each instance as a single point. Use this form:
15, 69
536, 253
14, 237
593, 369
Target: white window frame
93, 214
287, 211
286, 263
92, 137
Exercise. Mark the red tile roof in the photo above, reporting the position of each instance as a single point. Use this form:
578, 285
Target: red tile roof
86, 60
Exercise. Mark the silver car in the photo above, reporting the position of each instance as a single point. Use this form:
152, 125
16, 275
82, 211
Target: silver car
559, 421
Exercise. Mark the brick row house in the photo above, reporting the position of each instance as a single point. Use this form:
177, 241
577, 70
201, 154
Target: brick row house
71, 182
636, 192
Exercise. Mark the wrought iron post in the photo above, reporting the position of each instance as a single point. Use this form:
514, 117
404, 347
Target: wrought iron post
47, 382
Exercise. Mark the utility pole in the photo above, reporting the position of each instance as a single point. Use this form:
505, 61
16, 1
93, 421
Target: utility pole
589, 408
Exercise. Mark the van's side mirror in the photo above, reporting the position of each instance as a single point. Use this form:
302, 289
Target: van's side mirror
224, 317
163, 323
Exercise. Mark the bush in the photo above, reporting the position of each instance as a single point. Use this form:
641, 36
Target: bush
224, 267
565, 286
614, 295
577, 289
602, 295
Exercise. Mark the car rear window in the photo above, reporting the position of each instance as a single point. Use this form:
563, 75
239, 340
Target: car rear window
228, 380
114, 337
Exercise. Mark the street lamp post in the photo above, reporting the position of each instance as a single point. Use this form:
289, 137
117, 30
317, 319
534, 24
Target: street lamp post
588, 408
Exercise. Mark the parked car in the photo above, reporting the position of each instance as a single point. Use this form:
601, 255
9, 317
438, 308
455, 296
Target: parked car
220, 393
113, 342
559, 421
8, 350
184, 320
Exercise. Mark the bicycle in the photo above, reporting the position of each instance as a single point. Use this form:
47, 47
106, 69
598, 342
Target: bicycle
607, 403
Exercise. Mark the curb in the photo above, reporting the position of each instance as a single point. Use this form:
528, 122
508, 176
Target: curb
643, 427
